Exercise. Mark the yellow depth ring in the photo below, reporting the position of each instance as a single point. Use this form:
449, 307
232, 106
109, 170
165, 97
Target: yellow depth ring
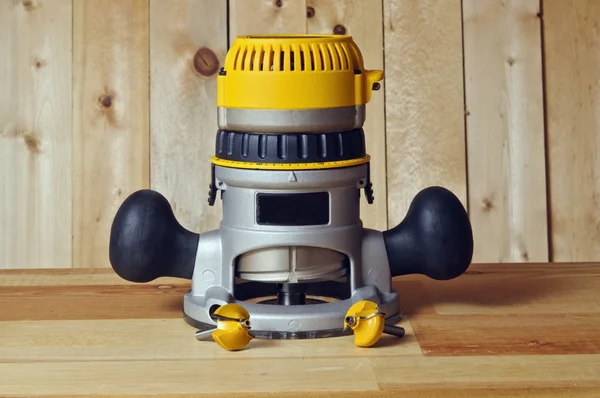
290, 166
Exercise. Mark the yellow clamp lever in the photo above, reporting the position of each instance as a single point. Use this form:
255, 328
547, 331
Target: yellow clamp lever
368, 323
233, 327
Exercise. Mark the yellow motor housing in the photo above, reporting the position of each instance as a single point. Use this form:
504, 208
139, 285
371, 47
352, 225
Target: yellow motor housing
294, 72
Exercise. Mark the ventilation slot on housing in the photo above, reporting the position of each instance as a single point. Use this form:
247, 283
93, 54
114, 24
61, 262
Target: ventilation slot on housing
295, 57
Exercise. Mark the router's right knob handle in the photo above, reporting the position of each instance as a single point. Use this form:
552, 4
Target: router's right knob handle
435, 238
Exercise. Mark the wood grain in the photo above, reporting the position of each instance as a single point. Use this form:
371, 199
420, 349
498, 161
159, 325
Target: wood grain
501, 330
171, 339
188, 43
35, 133
515, 334
362, 376
266, 17
189, 376
572, 54
362, 20
505, 289
488, 372
425, 132
110, 118
505, 130
406, 392
71, 277
78, 302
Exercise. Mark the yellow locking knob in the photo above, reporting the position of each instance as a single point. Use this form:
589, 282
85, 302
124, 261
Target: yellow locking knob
232, 336
366, 322
233, 327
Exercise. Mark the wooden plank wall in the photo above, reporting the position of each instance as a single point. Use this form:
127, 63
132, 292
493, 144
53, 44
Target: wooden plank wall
572, 37
110, 117
188, 44
497, 100
505, 129
36, 134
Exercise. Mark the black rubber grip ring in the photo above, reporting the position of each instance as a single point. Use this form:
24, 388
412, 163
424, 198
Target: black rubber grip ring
290, 148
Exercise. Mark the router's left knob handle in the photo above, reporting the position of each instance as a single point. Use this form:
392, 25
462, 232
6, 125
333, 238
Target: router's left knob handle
147, 241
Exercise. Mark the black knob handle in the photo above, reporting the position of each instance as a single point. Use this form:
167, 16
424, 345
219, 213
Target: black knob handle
147, 241
435, 238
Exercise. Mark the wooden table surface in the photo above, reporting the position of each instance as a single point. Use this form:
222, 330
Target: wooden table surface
498, 330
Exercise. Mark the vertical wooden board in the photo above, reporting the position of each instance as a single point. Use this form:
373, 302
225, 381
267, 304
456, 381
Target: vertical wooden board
111, 112
35, 134
572, 59
363, 21
505, 130
188, 43
425, 135
266, 17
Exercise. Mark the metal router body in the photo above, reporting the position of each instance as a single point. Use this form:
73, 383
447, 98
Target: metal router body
286, 121
364, 276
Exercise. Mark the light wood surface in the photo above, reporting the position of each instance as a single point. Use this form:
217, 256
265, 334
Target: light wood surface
425, 132
110, 115
572, 42
362, 20
248, 17
35, 133
188, 43
501, 330
505, 130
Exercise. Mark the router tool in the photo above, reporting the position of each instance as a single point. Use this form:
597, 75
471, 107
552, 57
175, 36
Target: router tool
291, 167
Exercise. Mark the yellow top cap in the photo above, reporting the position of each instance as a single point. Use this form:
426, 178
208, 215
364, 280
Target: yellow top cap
294, 72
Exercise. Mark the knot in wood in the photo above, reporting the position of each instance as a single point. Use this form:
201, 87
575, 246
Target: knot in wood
29, 5
538, 343
339, 29
206, 62
32, 142
278, 3
487, 204
310, 12
105, 101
